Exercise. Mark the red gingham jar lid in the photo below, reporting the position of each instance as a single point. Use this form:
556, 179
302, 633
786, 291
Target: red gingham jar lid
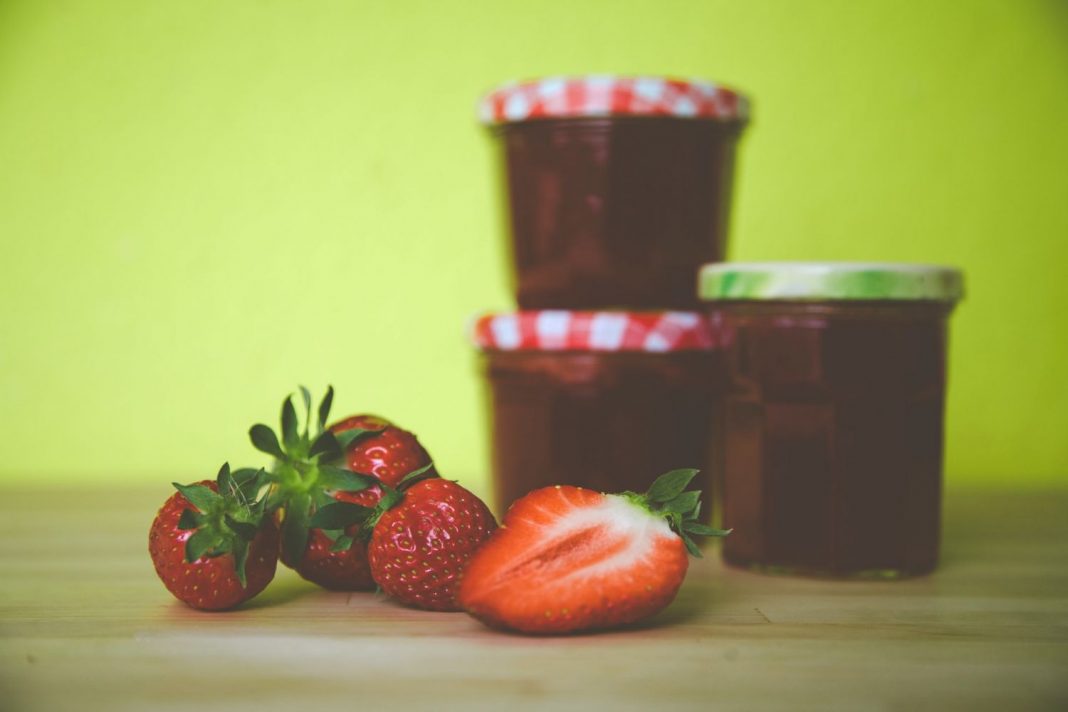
570, 97
558, 330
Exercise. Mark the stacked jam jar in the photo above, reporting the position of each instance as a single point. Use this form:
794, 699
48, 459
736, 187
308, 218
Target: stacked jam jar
618, 189
809, 394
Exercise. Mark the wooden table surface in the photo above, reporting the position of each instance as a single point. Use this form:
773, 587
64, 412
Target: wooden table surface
85, 624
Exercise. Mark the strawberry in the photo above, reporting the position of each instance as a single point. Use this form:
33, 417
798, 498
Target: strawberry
310, 472
568, 559
211, 544
421, 536
339, 568
387, 452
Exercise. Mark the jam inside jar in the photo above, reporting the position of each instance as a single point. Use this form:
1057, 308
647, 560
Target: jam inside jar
832, 427
618, 188
578, 406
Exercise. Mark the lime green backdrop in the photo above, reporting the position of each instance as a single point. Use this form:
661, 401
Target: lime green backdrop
203, 204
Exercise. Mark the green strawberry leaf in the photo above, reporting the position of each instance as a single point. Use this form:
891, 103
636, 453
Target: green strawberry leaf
321, 498
275, 498
240, 552
339, 515
390, 499
683, 503
666, 498
199, 496
264, 440
324, 407
305, 394
343, 543
341, 480
249, 482
289, 423
347, 437
244, 530
423, 473
243, 475
295, 527
327, 446
201, 543
224, 480
670, 485
691, 547
703, 530
189, 519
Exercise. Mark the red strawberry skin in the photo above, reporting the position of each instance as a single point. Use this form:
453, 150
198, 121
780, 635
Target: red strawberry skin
419, 548
210, 584
568, 559
389, 455
346, 570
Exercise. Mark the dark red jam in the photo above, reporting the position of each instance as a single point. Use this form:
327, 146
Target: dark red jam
832, 435
616, 211
606, 421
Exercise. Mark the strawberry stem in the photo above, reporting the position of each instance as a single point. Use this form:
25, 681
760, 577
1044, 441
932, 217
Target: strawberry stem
667, 497
224, 520
308, 467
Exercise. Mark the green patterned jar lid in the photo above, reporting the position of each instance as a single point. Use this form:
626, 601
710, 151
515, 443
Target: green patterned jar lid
829, 281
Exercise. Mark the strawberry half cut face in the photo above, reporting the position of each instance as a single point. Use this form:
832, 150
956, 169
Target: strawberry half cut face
569, 558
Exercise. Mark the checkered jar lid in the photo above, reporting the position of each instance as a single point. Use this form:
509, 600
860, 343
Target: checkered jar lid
569, 97
557, 330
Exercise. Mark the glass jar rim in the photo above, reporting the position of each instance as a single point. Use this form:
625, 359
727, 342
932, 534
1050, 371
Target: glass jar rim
846, 281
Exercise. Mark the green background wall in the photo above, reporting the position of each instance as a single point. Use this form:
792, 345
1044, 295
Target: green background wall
203, 204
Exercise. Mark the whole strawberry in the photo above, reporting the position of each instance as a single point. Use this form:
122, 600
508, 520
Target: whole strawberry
386, 451
337, 567
568, 559
211, 544
314, 467
421, 537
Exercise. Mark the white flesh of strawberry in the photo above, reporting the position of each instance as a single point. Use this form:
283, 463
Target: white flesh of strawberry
618, 519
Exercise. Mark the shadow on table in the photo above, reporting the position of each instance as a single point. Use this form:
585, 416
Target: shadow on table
691, 604
281, 591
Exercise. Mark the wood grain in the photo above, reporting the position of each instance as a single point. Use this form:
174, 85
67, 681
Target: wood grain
85, 625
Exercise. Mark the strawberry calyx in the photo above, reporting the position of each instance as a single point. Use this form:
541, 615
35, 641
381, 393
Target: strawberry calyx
308, 470
226, 519
667, 498
341, 515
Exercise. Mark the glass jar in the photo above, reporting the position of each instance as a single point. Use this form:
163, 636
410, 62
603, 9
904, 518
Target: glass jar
618, 187
603, 400
832, 425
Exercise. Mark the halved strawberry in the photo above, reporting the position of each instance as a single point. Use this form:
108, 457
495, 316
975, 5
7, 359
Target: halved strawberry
211, 543
567, 559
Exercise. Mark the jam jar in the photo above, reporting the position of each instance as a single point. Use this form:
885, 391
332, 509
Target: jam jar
618, 188
603, 400
832, 422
